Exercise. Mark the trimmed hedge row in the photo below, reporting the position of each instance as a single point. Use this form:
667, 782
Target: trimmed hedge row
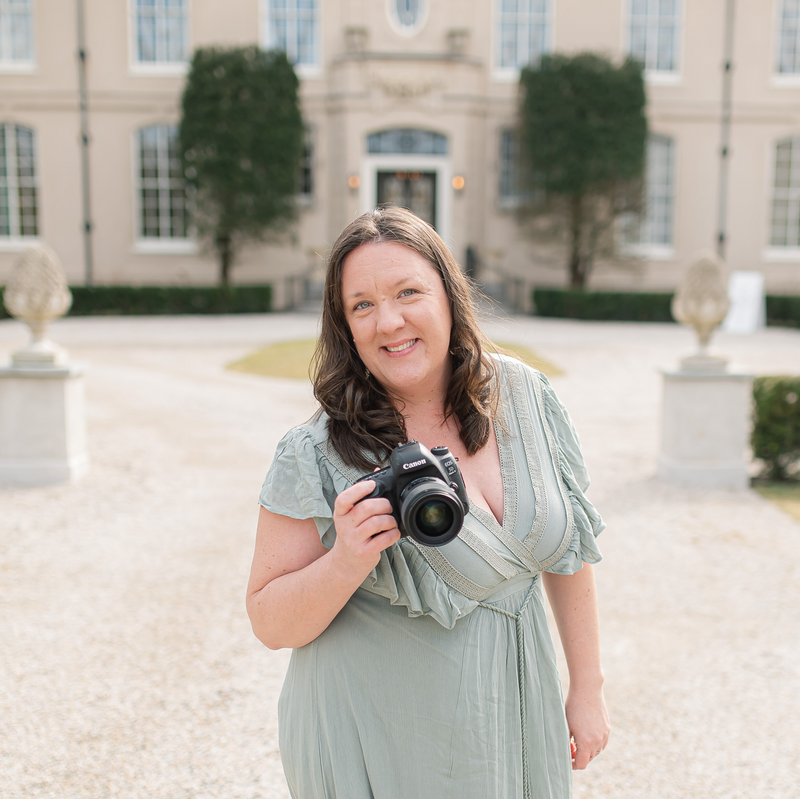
621, 306
783, 311
614, 306
776, 425
161, 300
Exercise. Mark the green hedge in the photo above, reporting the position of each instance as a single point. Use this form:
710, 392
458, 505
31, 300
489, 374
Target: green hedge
776, 424
158, 300
615, 306
621, 306
783, 311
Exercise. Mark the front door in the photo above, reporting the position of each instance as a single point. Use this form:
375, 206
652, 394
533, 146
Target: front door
410, 189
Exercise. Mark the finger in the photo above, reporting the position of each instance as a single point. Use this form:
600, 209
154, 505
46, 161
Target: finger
365, 510
583, 757
385, 539
350, 496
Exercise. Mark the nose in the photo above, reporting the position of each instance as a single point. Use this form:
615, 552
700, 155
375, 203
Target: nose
390, 317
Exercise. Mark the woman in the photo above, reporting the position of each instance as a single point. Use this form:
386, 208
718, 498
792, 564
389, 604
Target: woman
426, 671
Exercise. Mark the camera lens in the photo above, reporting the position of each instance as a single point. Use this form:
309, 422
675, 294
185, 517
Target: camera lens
434, 517
431, 512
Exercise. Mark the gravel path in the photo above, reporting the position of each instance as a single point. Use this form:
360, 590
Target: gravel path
127, 665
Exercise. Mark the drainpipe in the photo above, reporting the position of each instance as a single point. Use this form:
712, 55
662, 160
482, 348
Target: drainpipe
84, 127
725, 131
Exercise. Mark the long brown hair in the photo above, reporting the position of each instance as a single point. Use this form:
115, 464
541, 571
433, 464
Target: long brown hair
361, 416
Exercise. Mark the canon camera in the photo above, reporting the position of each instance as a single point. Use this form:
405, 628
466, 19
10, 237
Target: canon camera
427, 492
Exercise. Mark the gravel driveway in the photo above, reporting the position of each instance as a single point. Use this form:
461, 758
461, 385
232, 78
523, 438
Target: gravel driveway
127, 666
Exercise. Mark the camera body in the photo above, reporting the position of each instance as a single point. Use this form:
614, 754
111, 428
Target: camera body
426, 490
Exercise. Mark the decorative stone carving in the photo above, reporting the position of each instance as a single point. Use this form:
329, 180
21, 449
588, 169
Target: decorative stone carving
407, 90
355, 39
458, 40
37, 293
702, 302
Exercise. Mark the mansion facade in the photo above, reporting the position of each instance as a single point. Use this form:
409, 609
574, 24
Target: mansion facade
405, 101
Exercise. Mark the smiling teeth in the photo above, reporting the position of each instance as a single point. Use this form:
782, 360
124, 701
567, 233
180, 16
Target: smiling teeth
402, 346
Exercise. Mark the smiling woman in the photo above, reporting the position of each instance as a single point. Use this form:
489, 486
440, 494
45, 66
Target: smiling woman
426, 670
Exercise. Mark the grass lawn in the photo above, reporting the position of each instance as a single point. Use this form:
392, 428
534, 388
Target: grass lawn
292, 359
785, 495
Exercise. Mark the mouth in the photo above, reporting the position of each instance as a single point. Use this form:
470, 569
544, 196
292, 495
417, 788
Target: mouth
404, 346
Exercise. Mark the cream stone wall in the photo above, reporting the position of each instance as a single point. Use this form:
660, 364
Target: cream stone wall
372, 78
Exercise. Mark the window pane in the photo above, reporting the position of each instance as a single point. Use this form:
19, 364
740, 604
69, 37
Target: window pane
163, 205
523, 31
785, 222
292, 26
160, 30
654, 33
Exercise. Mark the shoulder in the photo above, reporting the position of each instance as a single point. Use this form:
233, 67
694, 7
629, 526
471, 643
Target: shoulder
510, 369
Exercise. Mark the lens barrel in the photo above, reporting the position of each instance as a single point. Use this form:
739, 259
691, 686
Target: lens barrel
431, 511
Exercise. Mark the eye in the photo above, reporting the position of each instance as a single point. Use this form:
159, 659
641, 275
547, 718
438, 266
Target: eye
361, 306
408, 292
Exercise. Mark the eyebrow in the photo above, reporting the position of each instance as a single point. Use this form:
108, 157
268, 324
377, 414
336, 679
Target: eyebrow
396, 284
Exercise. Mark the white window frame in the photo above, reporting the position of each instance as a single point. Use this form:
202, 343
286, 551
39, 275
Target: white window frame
15, 241
511, 74
791, 79
17, 65
645, 248
785, 252
155, 245
663, 77
305, 70
407, 30
158, 68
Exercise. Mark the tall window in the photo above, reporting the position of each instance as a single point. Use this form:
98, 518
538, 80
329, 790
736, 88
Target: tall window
161, 30
523, 32
654, 33
293, 26
163, 205
16, 33
789, 38
19, 210
655, 227
785, 227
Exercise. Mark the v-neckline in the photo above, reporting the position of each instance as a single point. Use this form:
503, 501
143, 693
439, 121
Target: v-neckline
487, 517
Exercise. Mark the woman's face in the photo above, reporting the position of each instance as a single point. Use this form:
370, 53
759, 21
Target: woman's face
399, 316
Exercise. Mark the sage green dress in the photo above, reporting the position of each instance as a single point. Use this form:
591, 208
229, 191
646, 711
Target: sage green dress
438, 679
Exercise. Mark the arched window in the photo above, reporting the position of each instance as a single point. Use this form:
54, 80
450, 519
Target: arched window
163, 208
785, 223
19, 205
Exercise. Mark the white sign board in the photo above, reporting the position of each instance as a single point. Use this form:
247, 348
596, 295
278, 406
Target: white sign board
748, 311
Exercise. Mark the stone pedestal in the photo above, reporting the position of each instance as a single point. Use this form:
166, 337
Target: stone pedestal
42, 424
705, 427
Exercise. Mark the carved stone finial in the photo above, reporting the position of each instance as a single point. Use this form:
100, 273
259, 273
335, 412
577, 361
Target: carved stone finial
702, 302
37, 293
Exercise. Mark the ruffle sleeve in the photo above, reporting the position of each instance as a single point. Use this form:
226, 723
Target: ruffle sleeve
588, 522
296, 487
303, 483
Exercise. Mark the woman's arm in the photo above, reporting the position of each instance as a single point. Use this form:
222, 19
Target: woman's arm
573, 599
297, 586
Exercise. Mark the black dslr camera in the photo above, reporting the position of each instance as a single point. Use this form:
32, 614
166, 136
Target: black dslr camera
427, 492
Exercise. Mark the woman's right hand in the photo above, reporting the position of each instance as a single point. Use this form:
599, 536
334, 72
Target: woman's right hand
363, 529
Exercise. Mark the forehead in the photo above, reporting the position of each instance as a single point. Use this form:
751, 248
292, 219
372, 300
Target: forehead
382, 265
